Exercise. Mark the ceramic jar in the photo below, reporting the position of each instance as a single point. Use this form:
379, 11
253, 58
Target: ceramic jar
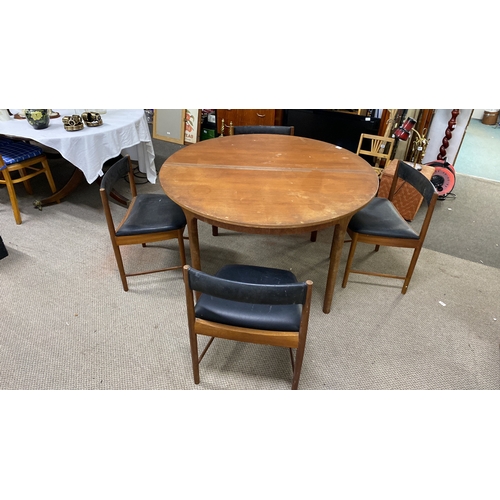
38, 118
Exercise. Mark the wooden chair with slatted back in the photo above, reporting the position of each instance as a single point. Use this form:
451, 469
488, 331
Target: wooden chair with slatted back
249, 304
377, 147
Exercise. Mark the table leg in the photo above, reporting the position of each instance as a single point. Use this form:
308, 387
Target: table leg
73, 182
335, 254
68, 188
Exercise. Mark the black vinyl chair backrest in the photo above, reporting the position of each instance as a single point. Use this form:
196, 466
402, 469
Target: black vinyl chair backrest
293, 293
416, 179
263, 129
117, 171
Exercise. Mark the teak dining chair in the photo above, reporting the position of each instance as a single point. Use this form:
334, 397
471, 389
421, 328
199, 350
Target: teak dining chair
380, 223
149, 218
257, 129
26, 161
248, 304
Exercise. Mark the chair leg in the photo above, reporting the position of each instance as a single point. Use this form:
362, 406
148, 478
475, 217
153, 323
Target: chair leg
314, 236
193, 342
215, 231
348, 265
409, 274
299, 356
12, 195
119, 262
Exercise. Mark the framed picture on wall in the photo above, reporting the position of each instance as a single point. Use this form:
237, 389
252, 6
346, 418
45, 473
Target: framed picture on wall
169, 125
192, 125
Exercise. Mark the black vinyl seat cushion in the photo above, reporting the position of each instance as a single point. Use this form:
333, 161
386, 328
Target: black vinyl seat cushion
152, 213
381, 218
247, 315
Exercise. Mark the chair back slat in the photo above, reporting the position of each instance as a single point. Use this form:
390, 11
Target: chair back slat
294, 293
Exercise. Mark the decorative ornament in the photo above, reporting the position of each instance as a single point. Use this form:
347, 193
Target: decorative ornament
38, 118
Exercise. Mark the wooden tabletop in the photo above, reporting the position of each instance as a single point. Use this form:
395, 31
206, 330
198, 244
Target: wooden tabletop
268, 183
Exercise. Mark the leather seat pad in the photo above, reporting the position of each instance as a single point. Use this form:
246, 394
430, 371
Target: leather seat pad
153, 213
259, 316
381, 218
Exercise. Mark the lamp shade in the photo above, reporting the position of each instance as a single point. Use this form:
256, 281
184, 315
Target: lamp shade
403, 132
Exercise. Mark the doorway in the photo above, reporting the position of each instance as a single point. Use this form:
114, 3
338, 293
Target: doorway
480, 149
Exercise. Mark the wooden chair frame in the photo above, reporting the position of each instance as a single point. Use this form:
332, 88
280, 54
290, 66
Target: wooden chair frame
291, 339
26, 170
143, 238
378, 241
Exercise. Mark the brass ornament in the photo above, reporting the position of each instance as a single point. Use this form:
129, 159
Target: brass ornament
92, 119
72, 123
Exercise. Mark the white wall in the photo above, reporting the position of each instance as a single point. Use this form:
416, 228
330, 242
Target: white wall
478, 113
437, 132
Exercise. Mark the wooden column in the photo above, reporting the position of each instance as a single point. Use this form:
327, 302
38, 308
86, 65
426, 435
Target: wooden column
448, 134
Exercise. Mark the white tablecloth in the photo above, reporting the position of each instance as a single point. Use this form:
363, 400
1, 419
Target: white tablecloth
123, 130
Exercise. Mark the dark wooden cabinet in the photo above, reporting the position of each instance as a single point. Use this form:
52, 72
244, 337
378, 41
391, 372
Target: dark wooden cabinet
336, 127
247, 117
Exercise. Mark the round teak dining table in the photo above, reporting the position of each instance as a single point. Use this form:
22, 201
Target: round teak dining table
269, 184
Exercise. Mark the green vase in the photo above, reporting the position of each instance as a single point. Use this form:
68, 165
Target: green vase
38, 118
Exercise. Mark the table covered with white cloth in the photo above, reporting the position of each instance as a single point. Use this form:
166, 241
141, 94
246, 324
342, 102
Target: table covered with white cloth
122, 131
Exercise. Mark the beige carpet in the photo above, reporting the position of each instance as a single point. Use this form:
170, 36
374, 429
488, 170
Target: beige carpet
67, 323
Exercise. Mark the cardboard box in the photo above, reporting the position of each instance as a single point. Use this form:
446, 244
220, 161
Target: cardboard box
406, 199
